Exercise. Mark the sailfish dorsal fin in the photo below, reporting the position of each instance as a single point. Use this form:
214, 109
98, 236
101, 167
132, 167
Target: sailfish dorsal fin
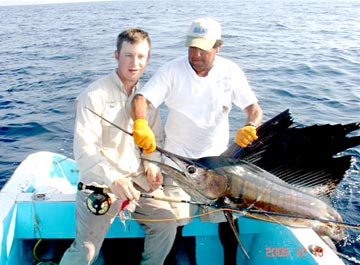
309, 157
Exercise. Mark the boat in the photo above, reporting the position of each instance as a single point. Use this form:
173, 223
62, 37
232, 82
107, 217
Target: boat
38, 224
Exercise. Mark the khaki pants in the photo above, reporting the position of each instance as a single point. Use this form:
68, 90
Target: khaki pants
90, 233
91, 230
158, 220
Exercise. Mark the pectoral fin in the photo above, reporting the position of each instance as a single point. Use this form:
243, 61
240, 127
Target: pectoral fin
231, 221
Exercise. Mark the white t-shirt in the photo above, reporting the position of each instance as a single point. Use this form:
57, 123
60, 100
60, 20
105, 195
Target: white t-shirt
198, 107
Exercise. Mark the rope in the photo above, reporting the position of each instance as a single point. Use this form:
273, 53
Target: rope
36, 221
35, 256
58, 163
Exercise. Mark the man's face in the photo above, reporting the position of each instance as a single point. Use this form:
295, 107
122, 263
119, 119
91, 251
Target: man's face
132, 60
202, 61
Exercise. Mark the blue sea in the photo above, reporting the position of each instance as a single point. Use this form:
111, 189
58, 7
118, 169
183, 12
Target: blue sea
300, 55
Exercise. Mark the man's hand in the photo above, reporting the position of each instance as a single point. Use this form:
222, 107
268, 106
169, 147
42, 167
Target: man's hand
144, 136
154, 177
246, 135
124, 189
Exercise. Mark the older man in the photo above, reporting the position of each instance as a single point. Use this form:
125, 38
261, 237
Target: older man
198, 90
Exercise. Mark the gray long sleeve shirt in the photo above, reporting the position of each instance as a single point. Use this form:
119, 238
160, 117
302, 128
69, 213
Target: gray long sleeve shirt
104, 153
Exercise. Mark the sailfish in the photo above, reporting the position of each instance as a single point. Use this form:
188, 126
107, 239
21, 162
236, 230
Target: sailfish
290, 171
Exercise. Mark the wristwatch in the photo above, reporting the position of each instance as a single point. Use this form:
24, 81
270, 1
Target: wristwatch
251, 124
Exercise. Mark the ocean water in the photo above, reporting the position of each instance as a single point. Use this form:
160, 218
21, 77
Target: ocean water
299, 55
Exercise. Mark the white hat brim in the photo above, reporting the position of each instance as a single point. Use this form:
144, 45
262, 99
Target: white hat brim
201, 43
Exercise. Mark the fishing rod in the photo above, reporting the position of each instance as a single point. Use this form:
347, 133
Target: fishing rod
215, 205
122, 129
113, 124
162, 151
170, 199
99, 203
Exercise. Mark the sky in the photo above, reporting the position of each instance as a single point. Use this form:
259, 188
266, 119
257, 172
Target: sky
36, 2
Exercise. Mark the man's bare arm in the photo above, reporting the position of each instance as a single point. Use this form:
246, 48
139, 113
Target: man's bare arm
254, 114
139, 107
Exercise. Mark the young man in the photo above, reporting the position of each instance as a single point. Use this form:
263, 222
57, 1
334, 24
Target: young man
107, 157
198, 90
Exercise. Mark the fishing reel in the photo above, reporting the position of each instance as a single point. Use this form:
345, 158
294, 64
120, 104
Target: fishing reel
98, 202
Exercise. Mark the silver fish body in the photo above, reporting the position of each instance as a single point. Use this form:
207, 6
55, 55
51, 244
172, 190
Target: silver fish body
247, 186
280, 145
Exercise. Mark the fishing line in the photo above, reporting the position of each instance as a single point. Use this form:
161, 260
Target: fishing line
99, 203
236, 209
253, 211
344, 225
99, 209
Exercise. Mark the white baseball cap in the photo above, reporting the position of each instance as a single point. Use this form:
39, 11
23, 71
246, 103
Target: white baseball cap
203, 33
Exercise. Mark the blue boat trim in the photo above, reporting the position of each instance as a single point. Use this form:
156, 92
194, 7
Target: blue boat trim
29, 214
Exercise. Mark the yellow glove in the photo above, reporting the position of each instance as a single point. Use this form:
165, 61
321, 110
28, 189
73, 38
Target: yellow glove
144, 136
246, 135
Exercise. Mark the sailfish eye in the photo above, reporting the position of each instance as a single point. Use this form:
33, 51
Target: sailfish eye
191, 169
